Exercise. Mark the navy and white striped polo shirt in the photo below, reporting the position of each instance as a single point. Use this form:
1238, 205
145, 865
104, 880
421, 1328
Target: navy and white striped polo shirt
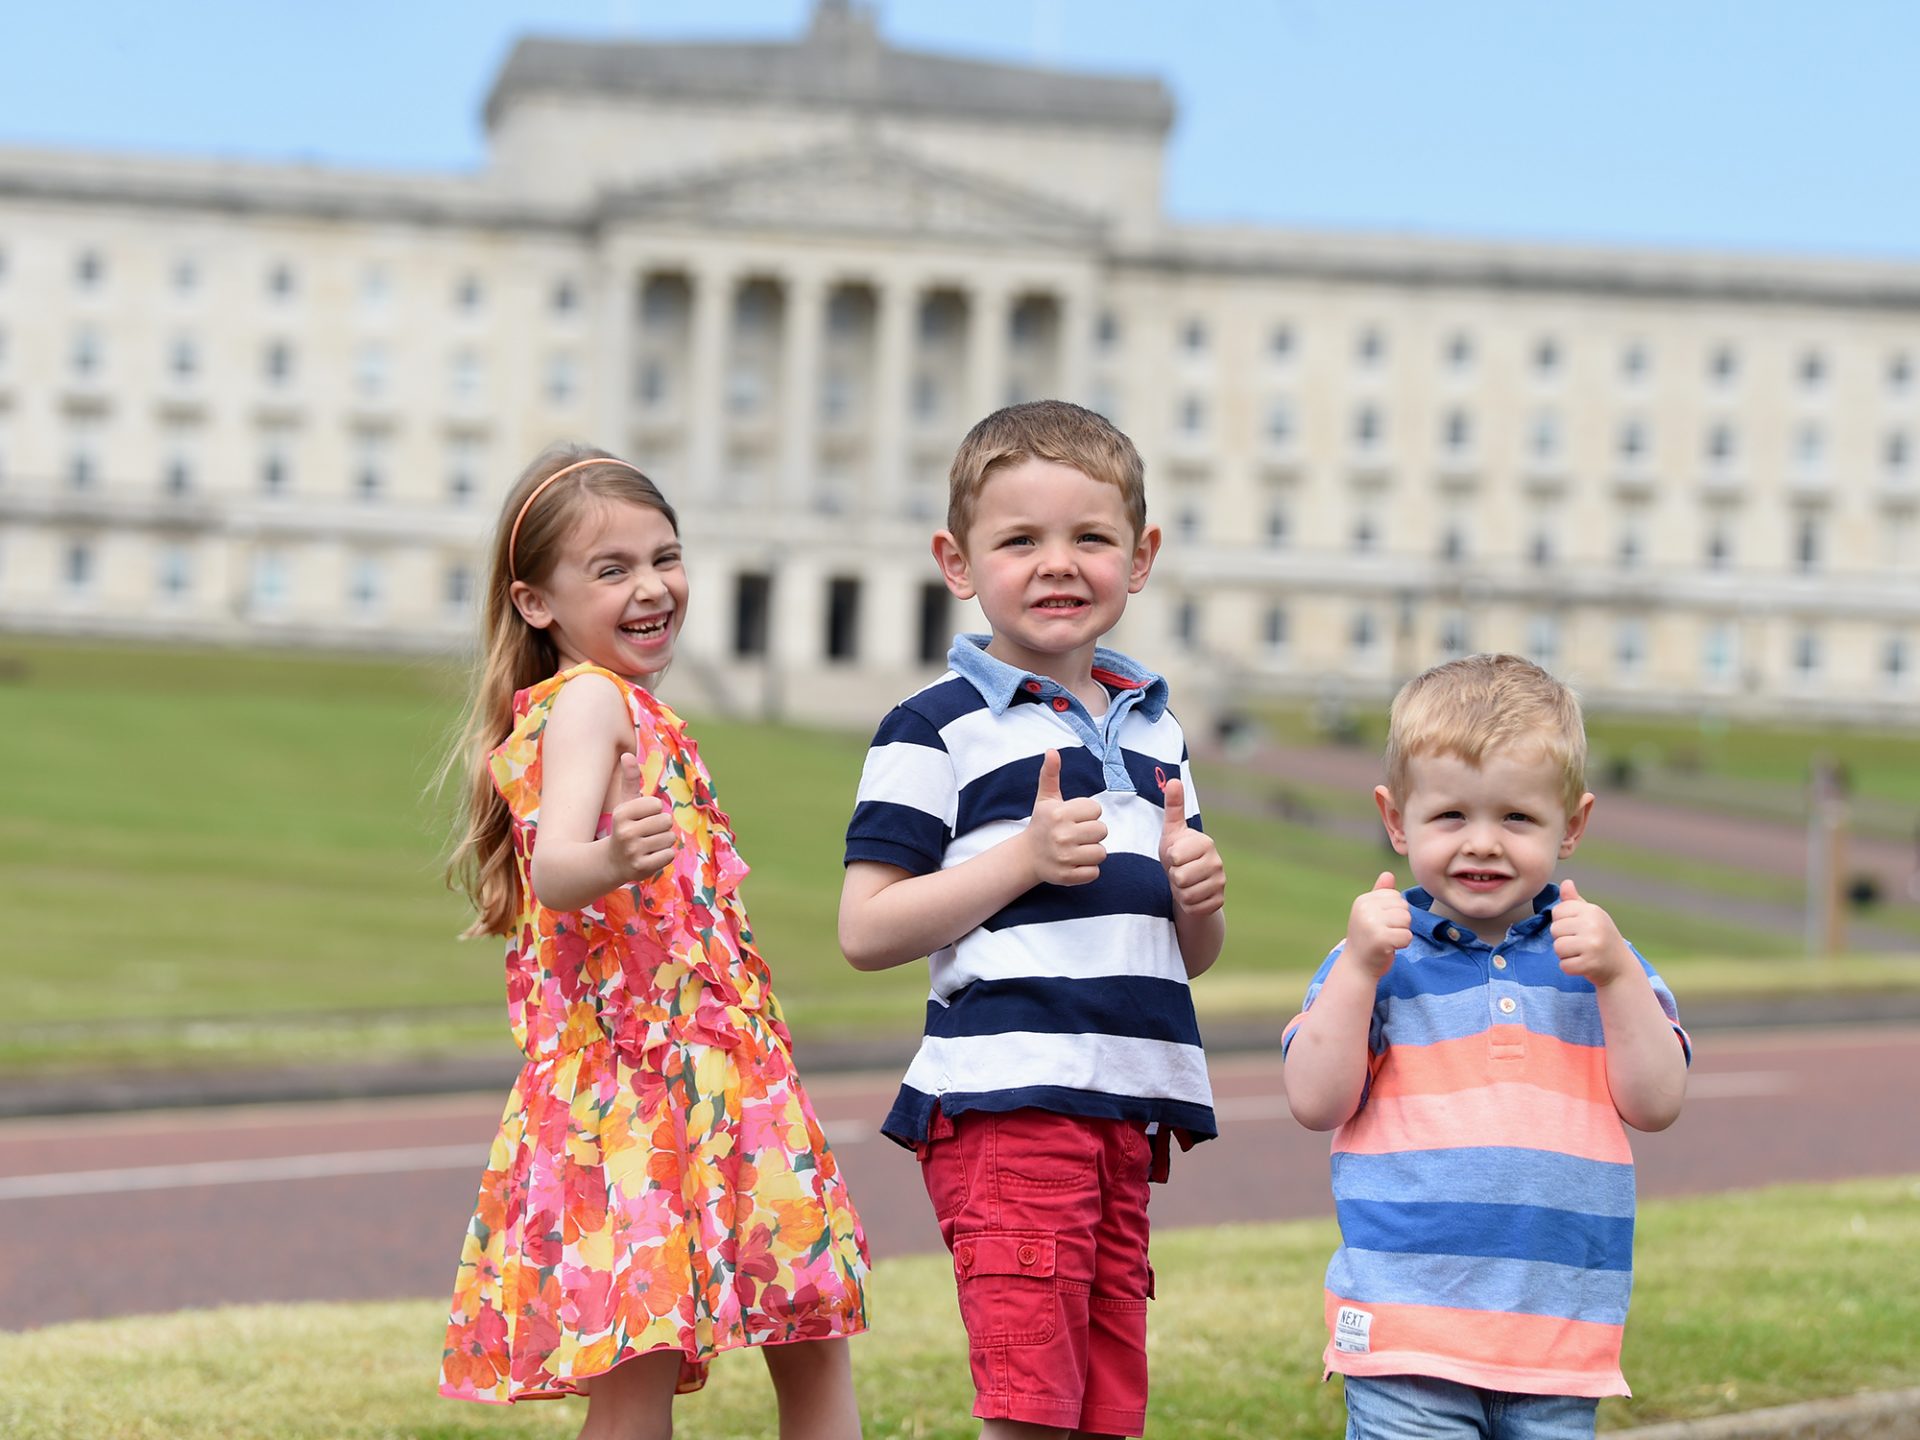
1071, 998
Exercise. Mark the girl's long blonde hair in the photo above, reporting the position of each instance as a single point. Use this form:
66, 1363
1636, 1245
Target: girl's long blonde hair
514, 655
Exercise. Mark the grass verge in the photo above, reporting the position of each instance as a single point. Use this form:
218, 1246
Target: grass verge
1741, 1301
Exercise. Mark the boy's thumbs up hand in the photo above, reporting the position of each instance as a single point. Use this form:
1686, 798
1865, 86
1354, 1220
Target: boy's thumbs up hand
1190, 858
1063, 836
642, 826
1587, 941
1379, 925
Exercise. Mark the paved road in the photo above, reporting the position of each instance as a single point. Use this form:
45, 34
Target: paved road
130, 1214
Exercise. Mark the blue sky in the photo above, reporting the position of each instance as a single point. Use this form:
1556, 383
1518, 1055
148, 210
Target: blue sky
1764, 125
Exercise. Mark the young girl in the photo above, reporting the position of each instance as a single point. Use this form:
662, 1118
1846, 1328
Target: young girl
660, 1189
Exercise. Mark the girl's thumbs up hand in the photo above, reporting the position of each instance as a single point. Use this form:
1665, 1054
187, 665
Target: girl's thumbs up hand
642, 833
1190, 858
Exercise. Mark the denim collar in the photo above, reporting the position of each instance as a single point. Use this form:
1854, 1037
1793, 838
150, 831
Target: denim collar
1438, 930
1000, 684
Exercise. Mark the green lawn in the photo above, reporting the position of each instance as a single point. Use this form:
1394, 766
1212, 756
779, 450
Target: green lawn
1740, 1302
236, 856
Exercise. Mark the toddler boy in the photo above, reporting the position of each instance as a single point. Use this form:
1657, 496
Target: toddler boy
1479, 1042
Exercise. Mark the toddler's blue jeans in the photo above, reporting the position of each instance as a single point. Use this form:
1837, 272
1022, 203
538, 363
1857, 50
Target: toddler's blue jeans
1419, 1407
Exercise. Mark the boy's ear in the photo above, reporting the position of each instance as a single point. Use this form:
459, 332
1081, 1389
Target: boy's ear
951, 557
1395, 822
531, 604
1144, 550
1576, 825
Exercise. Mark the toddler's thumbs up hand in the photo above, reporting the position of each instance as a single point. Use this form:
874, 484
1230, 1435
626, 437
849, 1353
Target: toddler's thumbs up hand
1063, 836
1190, 858
1379, 925
1586, 939
642, 831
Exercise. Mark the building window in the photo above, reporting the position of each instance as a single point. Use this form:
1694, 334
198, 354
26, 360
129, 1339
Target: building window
1899, 373
1193, 416
1813, 370
1719, 546
183, 358
926, 397
87, 355
1810, 449
1366, 537
1186, 622
1806, 654
1279, 424
1546, 357
836, 396
1279, 526
1281, 344
1453, 543
843, 313
1543, 640
276, 465
1363, 633
77, 567
469, 295
370, 468
1193, 336
651, 384
1896, 455
1457, 432
1723, 365
1106, 329
376, 287
1629, 547
465, 461
366, 584
1720, 445
83, 462
1718, 653
1635, 364
1895, 662
89, 270
276, 362
268, 581
1370, 348
1540, 547
936, 623
1806, 544
566, 297
465, 374
456, 587
843, 618
1187, 522
177, 478
1630, 647
370, 370
752, 613
1274, 627
563, 381
1459, 352
173, 572
1544, 435
281, 282
1368, 428
1455, 638
1631, 442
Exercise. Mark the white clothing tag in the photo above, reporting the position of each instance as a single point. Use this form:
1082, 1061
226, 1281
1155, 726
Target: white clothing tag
1352, 1330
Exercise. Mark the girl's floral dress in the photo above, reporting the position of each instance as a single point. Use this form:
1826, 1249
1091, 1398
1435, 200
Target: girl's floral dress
659, 1180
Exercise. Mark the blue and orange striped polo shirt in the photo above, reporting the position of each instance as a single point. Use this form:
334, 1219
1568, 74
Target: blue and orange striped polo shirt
1484, 1187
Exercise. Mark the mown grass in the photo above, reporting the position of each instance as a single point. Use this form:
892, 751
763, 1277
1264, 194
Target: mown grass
235, 857
1741, 1301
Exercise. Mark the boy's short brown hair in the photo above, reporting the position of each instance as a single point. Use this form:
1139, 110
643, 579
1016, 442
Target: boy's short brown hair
1055, 430
1482, 703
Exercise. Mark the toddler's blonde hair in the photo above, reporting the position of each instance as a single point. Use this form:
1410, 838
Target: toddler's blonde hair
1483, 703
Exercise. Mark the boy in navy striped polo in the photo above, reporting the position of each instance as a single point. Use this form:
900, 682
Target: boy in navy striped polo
1027, 823
1481, 1042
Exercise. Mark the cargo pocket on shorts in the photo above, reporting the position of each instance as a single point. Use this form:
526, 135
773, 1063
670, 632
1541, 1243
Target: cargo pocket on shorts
1007, 1288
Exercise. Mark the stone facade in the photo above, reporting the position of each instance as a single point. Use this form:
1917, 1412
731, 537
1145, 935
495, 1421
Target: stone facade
268, 404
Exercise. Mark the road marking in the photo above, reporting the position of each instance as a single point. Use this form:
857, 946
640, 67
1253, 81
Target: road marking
1739, 1084
272, 1168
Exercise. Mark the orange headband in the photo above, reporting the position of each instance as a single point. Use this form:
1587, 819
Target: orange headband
513, 536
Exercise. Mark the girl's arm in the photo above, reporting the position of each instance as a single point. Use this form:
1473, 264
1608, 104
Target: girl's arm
589, 731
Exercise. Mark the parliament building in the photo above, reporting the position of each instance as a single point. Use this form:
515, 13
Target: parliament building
269, 404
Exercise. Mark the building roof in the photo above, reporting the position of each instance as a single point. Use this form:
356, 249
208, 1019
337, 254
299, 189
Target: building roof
840, 63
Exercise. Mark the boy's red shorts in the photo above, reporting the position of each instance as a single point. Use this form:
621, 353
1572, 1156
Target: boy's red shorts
1046, 1216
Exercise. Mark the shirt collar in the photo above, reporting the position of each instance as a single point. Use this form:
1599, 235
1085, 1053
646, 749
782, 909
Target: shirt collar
1000, 684
1434, 928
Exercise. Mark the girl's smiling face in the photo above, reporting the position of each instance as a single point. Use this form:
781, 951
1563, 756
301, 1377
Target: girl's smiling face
617, 595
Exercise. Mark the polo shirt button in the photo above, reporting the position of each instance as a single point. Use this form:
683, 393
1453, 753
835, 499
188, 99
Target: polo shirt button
1033, 687
1506, 1005
1452, 934
1028, 1254
1499, 962
1060, 702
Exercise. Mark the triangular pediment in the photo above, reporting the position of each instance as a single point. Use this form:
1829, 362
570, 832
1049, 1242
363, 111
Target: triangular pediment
863, 189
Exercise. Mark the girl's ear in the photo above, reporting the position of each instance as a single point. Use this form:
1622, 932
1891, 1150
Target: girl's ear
531, 604
951, 557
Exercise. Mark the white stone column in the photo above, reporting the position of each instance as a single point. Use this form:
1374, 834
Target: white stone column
987, 309
617, 284
893, 366
1074, 373
705, 410
802, 323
